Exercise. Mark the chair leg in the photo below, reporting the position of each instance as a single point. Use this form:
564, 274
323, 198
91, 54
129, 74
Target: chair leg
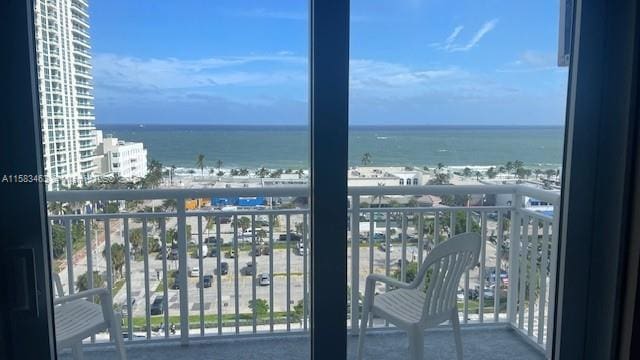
416, 344
364, 320
116, 335
455, 322
76, 350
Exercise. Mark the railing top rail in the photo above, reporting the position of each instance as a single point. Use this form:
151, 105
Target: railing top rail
298, 191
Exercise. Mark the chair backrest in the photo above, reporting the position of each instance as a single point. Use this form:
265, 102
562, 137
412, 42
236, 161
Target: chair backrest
58, 285
441, 271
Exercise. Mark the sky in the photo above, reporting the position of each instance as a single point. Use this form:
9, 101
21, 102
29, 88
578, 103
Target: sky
412, 62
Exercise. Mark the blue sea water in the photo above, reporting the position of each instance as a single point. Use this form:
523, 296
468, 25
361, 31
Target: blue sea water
288, 146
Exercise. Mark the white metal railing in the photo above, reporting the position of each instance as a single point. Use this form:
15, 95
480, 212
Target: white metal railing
522, 298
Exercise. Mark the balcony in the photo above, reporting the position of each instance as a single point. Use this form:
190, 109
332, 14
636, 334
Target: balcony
504, 303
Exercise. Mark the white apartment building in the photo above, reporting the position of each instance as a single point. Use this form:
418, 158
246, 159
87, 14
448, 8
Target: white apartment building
66, 91
123, 158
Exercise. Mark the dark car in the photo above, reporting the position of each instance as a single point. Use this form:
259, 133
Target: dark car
224, 268
292, 237
212, 240
248, 270
157, 305
207, 280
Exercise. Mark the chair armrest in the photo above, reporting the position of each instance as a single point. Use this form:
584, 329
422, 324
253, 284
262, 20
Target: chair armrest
86, 294
373, 278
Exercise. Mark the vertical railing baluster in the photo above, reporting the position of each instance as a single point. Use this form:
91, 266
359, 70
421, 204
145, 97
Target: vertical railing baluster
387, 253
420, 237
371, 251
89, 251
127, 270
355, 261
483, 259
271, 304
403, 255
69, 240
544, 248
466, 274
436, 230
288, 255
165, 280
498, 279
514, 251
305, 239
523, 270
553, 264
254, 272
219, 275
107, 253
147, 279
200, 254
181, 214
236, 290
532, 273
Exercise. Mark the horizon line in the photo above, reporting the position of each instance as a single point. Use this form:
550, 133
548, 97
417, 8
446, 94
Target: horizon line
350, 125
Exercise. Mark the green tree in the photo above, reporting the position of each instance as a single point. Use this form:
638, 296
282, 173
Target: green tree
200, 163
219, 164
135, 238
82, 281
300, 173
242, 222
261, 307
491, 173
262, 172
366, 159
117, 257
411, 269
478, 175
466, 172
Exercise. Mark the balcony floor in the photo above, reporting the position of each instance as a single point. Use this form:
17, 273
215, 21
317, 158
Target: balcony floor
480, 342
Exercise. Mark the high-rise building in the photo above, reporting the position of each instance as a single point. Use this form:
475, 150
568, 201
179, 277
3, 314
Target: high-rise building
66, 91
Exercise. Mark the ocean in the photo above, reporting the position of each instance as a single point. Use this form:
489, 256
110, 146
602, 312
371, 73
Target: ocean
288, 146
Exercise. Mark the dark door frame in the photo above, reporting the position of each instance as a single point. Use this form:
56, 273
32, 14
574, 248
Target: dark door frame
598, 179
26, 304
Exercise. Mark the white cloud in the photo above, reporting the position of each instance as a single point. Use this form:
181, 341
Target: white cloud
450, 45
115, 71
530, 61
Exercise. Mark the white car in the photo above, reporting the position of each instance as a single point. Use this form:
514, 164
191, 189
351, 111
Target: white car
264, 279
194, 272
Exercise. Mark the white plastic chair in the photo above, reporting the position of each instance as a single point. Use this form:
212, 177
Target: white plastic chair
416, 306
77, 318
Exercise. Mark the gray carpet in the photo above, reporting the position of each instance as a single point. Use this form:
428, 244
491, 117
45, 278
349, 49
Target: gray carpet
479, 343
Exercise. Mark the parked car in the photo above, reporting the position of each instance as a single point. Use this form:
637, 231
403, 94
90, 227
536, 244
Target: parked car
194, 272
264, 279
213, 252
292, 236
248, 270
224, 268
410, 238
157, 307
379, 236
212, 240
207, 280
204, 251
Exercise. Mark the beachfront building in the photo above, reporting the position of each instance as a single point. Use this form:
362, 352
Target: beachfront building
125, 159
65, 91
384, 176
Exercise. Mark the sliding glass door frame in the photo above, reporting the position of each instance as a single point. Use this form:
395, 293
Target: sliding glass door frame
329, 124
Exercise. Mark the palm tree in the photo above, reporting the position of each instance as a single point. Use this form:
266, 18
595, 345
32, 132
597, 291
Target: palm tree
537, 172
440, 166
466, 172
300, 173
478, 175
549, 173
509, 166
379, 196
219, 164
172, 172
366, 159
491, 172
200, 163
262, 172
